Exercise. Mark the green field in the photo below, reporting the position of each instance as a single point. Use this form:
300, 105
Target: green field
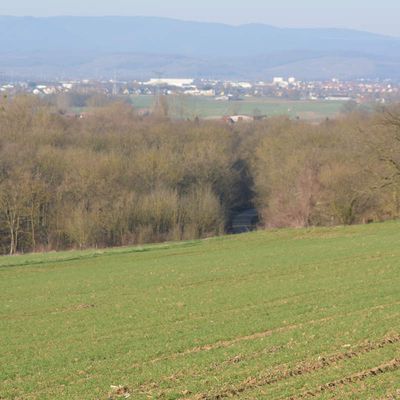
288, 314
189, 107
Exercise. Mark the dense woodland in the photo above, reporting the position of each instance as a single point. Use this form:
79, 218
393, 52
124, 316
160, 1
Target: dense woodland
116, 178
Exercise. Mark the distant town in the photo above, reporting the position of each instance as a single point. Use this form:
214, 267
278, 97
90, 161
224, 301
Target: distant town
360, 91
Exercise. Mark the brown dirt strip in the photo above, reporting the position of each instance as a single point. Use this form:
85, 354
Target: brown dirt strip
305, 367
179, 376
389, 366
392, 396
227, 343
259, 335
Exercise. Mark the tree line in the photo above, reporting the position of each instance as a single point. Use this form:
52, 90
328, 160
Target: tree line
116, 178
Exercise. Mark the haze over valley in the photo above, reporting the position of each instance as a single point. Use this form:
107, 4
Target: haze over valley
136, 47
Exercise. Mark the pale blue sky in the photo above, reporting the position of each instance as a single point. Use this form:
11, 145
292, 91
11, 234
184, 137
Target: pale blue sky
371, 15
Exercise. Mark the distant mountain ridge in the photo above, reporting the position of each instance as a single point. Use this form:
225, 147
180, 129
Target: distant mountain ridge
134, 47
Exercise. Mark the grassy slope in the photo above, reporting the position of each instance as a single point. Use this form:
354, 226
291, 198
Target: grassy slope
249, 316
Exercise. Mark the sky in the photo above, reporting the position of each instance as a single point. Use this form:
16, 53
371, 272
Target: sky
380, 16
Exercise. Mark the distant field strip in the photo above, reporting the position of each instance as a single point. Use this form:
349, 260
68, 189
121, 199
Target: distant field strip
286, 314
189, 106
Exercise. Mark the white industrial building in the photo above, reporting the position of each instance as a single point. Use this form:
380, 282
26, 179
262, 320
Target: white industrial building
180, 83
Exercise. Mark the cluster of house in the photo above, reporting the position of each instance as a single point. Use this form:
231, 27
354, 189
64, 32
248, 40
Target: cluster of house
222, 90
278, 87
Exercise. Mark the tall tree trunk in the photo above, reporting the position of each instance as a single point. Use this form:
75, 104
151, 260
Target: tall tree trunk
33, 231
12, 240
13, 225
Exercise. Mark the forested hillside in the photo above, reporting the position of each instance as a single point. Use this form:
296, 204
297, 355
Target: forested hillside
116, 178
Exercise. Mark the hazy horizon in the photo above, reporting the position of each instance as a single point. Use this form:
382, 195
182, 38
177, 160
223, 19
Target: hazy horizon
369, 16
202, 21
